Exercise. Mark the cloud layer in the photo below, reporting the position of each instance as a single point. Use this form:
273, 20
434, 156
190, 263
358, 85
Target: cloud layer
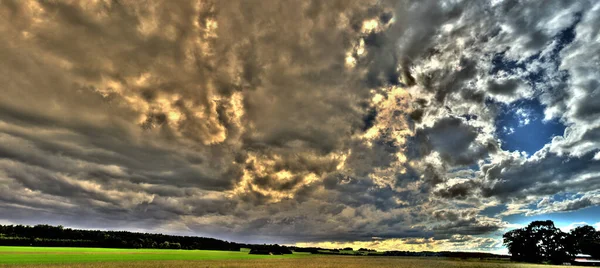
301, 121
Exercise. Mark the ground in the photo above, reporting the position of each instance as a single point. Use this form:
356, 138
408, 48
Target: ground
132, 258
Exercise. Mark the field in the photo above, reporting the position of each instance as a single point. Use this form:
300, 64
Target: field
133, 258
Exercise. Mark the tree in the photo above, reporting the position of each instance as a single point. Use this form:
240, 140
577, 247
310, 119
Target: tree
586, 240
517, 244
539, 242
165, 245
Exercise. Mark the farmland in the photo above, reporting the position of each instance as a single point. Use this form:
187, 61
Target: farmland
101, 257
42, 255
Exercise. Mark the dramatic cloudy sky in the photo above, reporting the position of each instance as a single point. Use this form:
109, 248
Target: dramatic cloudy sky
410, 125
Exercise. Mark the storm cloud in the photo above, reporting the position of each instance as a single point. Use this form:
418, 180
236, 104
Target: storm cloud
295, 121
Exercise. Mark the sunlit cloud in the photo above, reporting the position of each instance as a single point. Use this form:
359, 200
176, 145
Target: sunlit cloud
392, 125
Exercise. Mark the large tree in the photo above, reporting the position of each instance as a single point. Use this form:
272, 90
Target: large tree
540, 241
586, 240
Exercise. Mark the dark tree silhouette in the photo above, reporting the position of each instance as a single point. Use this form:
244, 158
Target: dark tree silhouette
586, 240
58, 236
540, 242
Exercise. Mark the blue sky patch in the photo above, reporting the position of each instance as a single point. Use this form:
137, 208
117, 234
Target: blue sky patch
521, 127
588, 215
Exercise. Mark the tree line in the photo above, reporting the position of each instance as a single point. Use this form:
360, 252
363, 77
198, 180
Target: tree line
58, 236
542, 242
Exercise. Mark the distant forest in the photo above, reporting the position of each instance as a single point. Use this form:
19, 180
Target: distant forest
44, 235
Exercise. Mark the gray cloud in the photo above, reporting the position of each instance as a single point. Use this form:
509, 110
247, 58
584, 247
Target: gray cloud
454, 140
505, 179
290, 121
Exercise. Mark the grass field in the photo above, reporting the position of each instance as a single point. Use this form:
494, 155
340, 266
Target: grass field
44, 255
133, 258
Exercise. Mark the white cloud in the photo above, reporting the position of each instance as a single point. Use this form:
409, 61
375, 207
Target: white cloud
571, 226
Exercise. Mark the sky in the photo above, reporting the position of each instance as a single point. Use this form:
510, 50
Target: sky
392, 125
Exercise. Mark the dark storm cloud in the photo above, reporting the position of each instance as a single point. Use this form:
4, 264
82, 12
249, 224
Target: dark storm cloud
463, 222
551, 205
466, 227
104, 109
454, 140
578, 204
505, 179
459, 190
300, 120
508, 87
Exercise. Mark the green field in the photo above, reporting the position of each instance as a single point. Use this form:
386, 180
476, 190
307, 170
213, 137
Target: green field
47, 255
132, 258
